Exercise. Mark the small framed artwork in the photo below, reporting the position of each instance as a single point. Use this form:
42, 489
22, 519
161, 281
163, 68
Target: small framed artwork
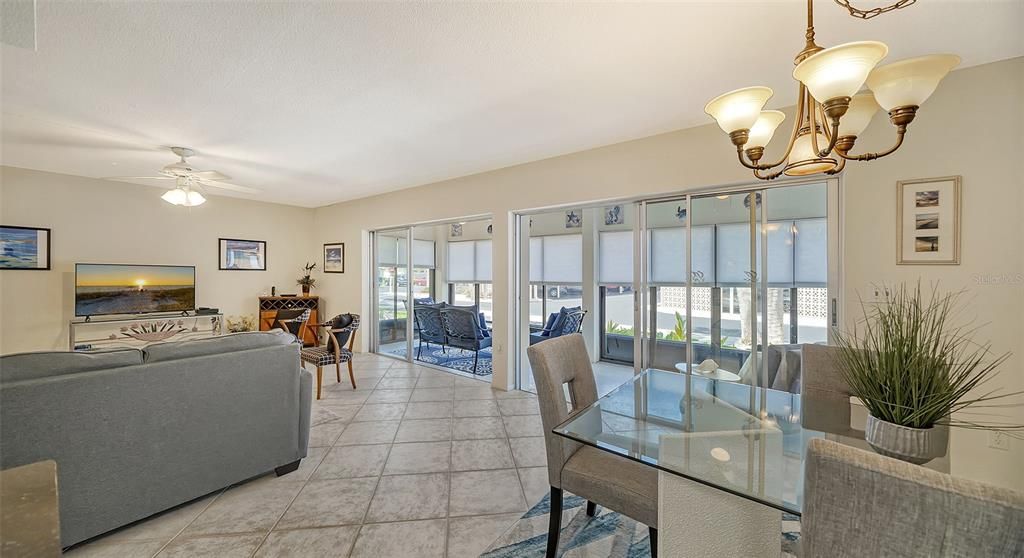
928, 221
334, 257
614, 215
573, 219
242, 255
24, 248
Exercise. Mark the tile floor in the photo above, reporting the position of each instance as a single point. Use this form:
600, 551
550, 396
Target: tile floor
416, 462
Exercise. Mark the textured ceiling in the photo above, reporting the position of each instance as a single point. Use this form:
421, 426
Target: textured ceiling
315, 103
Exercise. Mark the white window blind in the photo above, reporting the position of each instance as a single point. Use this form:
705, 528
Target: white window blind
390, 250
734, 253
469, 261
536, 259
483, 260
668, 255
615, 257
563, 258
461, 261
811, 251
423, 253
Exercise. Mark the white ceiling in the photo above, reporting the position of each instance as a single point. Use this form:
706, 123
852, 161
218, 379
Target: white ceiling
315, 103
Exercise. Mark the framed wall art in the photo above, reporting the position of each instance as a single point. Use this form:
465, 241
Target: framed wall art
242, 255
334, 257
24, 248
928, 221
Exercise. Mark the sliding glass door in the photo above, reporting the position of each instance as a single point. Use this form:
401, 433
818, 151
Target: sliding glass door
718, 283
393, 293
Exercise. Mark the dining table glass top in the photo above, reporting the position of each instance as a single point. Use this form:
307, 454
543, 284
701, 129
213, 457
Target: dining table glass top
741, 439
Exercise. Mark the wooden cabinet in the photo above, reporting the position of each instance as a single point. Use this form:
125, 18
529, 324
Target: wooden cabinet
271, 305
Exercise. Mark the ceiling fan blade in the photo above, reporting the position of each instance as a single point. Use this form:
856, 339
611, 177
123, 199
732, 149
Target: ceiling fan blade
211, 175
128, 178
228, 186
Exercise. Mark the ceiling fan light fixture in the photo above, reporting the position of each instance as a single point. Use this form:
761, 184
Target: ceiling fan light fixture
738, 110
176, 196
193, 198
839, 71
909, 83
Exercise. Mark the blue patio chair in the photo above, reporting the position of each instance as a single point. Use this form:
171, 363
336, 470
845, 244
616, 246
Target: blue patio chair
429, 327
564, 322
462, 327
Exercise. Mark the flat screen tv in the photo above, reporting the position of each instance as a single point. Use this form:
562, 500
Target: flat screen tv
133, 289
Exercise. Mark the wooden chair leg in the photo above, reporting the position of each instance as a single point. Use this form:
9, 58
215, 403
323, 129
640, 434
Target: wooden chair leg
319, 379
653, 541
351, 375
554, 522
591, 508
337, 370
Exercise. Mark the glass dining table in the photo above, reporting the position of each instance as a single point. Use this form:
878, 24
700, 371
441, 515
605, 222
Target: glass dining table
735, 438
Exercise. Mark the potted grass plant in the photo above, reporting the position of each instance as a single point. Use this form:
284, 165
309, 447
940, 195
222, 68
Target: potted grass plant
914, 370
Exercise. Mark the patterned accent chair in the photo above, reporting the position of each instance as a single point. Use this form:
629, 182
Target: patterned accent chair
293, 321
564, 322
462, 328
341, 336
429, 327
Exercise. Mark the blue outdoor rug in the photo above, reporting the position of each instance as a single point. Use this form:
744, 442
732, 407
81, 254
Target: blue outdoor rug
609, 535
456, 359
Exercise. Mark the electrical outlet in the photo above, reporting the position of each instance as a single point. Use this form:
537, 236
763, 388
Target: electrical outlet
998, 440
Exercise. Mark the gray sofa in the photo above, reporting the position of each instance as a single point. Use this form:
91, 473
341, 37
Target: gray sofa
135, 432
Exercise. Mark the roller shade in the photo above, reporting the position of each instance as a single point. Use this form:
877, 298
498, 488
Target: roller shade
536, 259
423, 253
469, 261
615, 257
810, 243
563, 258
668, 255
483, 260
391, 250
733, 255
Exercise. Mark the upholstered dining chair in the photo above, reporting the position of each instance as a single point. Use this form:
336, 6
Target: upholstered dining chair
601, 477
294, 322
858, 503
825, 395
341, 336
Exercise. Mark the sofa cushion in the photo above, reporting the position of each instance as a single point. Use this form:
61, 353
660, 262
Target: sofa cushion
44, 364
158, 352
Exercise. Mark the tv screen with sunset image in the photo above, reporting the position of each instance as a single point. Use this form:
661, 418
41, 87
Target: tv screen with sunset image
133, 289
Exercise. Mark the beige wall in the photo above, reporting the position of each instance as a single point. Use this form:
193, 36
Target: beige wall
971, 127
98, 221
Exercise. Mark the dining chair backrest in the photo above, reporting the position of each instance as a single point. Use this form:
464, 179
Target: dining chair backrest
558, 362
858, 503
825, 395
349, 323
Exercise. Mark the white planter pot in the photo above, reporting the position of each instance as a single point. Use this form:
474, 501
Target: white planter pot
915, 445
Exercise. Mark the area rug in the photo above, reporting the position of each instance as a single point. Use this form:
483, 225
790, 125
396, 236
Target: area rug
609, 535
456, 359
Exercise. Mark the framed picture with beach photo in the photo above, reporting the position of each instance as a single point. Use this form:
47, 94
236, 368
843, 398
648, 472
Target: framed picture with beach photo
334, 257
928, 221
24, 248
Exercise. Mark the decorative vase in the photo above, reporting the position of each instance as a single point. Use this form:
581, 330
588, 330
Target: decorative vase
305, 290
914, 445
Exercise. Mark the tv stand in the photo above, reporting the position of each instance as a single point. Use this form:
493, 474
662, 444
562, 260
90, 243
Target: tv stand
138, 331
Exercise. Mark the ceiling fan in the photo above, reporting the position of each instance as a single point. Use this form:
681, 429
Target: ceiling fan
189, 182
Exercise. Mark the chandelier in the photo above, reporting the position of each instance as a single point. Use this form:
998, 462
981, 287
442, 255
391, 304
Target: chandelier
830, 113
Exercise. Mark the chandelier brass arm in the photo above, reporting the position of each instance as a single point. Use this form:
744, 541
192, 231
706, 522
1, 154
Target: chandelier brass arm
755, 153
901, 131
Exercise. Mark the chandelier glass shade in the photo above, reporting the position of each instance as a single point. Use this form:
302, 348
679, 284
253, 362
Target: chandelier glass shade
828, 103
